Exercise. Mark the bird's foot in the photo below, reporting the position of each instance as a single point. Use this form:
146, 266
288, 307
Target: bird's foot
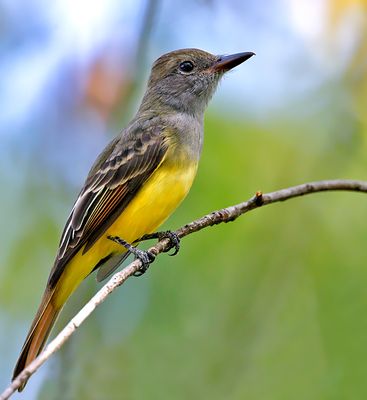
172, 236
146, 257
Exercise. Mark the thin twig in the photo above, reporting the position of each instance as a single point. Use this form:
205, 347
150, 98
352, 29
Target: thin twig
214, 218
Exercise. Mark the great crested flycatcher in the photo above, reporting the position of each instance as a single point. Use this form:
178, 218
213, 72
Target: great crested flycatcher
136, 183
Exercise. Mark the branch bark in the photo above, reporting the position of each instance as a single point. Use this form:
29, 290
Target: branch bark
224, 215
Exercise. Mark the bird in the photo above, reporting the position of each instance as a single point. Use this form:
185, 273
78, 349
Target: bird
135, 184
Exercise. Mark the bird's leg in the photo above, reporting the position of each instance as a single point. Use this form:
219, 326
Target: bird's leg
172, 236
145, 257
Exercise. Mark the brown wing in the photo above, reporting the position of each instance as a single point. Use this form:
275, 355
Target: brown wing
113, 181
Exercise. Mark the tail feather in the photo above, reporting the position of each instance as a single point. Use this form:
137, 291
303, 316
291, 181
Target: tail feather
38, 334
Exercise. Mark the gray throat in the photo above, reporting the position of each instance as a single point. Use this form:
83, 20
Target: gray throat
189, 132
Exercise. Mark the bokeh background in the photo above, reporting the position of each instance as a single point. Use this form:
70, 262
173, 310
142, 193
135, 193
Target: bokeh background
272, 306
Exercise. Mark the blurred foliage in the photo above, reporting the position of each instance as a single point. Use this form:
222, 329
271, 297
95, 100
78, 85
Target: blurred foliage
271, 306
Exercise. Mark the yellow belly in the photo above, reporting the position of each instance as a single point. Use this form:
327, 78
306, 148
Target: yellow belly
153, 204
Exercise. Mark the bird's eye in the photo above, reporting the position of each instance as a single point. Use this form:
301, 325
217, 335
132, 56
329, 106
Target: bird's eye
186, 66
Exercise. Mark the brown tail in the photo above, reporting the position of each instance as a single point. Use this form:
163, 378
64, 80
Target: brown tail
37, 335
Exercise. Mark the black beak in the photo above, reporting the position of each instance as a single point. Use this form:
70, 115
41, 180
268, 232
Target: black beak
225, 63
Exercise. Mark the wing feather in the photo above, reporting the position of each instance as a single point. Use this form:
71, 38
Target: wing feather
114, 180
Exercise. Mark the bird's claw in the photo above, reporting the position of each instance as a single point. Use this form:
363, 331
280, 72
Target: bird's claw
145, 257
172, 236
174, 241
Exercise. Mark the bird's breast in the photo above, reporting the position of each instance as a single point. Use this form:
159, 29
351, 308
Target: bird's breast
159, 196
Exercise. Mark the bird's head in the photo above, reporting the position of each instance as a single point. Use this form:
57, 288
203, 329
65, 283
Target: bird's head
185, 80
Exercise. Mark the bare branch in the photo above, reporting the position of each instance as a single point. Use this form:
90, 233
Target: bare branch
224, 215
